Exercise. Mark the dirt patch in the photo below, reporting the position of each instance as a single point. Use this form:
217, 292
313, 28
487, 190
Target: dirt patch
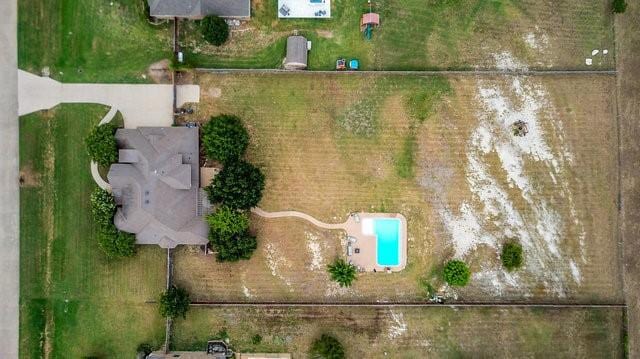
159, 72
327, 34
29, 177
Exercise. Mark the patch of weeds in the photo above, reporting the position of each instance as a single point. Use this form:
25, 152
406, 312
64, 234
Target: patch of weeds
428, 289
361, 118
256, 339
421, 103
406, 160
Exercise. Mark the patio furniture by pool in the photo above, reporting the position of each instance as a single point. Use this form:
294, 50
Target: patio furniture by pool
354, 64
310, 9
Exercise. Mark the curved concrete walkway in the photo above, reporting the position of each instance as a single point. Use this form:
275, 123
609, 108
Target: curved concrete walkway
283, 214
94, 166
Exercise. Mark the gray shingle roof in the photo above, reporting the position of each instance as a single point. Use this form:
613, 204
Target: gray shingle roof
156, 185
200, 8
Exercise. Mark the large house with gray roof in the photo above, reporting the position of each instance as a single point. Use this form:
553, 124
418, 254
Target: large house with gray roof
156, 186
198, 9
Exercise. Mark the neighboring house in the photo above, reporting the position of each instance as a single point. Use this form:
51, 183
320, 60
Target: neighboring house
197, 9
297, 48
156, 186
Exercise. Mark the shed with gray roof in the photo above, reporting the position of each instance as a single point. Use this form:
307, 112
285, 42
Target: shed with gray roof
198, 9
156, 186
297, 48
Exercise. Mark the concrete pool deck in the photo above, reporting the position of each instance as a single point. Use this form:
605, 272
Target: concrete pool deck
357, 240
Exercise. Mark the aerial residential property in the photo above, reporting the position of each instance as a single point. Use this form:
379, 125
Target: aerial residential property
319, 179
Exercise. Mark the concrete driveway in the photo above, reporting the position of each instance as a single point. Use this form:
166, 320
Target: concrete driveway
9, 189
140, 105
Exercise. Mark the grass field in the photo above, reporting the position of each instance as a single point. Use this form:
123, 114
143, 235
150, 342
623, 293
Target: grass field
73, 302
413, 332
89, 40
439, 151
421, 35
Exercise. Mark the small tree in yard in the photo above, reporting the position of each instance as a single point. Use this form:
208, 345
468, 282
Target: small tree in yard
327, 347
456, 273
227, 222
215, 30
174, 303
511, 256
224, 138
103, 207
101, 144
342, 272
619, 6
115, 243
238, 186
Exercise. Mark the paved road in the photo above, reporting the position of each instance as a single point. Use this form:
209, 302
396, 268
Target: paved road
140, 105
9, 190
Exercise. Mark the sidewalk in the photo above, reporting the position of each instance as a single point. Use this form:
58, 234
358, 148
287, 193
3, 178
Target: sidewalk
9, 189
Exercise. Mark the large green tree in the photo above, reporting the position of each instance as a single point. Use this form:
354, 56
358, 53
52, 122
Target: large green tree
101, 144
224, 138
456, 273
238, 186
342, 272
174, 302
226, 221
327, 347
215, 30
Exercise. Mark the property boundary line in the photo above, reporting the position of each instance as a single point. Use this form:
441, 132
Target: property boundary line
417, 73
407, 304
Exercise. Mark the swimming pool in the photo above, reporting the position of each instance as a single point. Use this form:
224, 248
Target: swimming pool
387, 232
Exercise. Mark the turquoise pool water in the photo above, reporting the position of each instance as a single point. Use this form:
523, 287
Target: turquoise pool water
388, 241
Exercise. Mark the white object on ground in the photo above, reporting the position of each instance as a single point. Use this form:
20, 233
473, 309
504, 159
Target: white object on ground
588, 61
605, 51
594, 52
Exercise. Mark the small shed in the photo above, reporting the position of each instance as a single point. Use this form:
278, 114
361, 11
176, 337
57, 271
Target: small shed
297, 49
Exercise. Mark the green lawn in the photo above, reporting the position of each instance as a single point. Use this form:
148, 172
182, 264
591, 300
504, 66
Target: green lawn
421, 35
89, 40
86, 304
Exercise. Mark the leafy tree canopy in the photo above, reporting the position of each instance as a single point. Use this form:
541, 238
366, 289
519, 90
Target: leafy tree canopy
226, 222
511, 256
342, 272
232, 248
115, 243
327, 347
101, 144
238, 186
215, 30
174, 302
103, 207
456, 273
224, 138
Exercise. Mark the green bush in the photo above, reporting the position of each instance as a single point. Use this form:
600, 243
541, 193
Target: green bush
511, 256
232, 248
115, 243
101, 144
619, 6
226, 221
215, 30
238, 186
174, 302
103, 207
342, 272
256, 339
326, 347
456, 273
224, 138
